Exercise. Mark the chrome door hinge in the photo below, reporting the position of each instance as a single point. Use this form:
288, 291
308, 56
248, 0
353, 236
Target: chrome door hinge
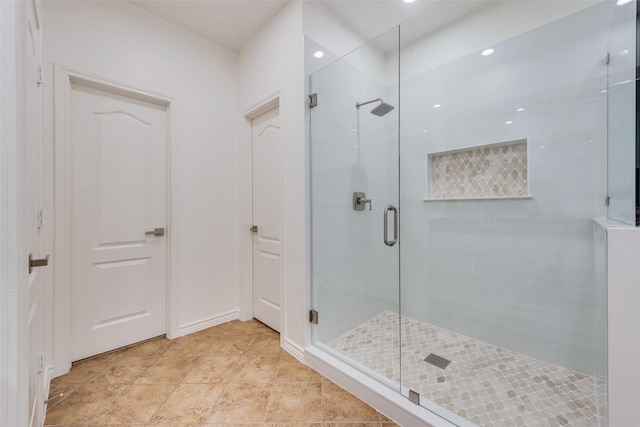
607, 200
313, 317
40, 218
607, 58
313, 100
414, 397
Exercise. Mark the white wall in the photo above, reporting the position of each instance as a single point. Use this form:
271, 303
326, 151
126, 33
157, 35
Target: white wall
119, 41
272, 63
623, 273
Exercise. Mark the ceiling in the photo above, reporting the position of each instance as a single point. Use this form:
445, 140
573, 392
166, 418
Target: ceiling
229, 23
232, 23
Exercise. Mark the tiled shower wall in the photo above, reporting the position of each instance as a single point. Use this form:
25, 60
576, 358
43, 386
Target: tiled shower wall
498, 170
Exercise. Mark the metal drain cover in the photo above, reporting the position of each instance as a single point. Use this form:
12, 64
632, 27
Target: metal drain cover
438, 361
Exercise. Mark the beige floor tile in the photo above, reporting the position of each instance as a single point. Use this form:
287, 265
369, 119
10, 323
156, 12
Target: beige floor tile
212, 369
263, 329
232, 375
264, 344
338, 405
292, 425
228, 345
137, 360
363, 424
136, 404
56, 388
256, 369
191, 345
189, 403
292, 370
242, 403
82, 404
83, 371
154, 347
167, 370
299, 402
234, 327
118, 375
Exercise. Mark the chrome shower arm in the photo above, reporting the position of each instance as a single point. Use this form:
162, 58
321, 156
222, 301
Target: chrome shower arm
360, 104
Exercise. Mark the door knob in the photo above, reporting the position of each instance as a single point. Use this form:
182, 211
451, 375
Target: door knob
155, 232
37, 262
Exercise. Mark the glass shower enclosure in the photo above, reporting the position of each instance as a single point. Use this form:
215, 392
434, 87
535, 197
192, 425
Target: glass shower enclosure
458, 174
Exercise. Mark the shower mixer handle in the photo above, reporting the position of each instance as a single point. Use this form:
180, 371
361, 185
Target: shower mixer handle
360, 201
364, 201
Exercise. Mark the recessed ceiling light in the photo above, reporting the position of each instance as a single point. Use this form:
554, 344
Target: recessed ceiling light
425, 131
437, 106
487, 52
520, 109
624, 52
408, 1
542, 146
622, 2
508, 122
318, 54
603, 91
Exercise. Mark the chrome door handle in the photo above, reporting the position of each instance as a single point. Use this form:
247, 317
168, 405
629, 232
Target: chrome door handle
155, 232
386, 226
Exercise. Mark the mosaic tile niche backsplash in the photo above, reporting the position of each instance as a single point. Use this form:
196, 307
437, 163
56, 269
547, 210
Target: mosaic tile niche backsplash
488, 171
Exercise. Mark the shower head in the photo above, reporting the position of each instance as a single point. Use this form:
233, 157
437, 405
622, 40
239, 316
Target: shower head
380, 110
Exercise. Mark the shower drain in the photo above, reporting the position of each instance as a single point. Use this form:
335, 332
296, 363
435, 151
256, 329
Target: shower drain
438, 361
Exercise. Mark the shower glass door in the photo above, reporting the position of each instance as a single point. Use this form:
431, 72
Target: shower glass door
354, 162
503, 151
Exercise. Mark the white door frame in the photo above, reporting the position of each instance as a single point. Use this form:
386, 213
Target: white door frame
64, 77
13, 276
246, 208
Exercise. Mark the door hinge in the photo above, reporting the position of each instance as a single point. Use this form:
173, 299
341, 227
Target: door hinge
313, 317
607, 58
40, 76
313, 100
607, 200
43, 357
40, 219
253, 228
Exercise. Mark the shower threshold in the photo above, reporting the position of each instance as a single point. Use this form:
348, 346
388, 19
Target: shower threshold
487, 385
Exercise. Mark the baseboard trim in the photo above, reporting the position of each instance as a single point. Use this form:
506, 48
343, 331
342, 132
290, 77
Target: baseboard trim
293, 349
208, 322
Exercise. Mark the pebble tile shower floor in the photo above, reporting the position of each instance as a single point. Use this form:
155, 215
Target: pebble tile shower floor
232, 375
488, 385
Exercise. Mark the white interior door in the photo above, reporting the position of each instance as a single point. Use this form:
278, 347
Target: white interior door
267, 216
34, 219
118, 269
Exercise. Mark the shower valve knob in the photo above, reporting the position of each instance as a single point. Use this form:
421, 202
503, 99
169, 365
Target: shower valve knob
360, 201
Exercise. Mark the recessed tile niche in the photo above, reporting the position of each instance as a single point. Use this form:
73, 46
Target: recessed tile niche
481, 172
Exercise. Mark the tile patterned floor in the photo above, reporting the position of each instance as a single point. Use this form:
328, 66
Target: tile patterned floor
487, 385
232, 375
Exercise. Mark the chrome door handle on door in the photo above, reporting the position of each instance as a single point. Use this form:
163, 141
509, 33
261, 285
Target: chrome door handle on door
386, 226
155, 232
